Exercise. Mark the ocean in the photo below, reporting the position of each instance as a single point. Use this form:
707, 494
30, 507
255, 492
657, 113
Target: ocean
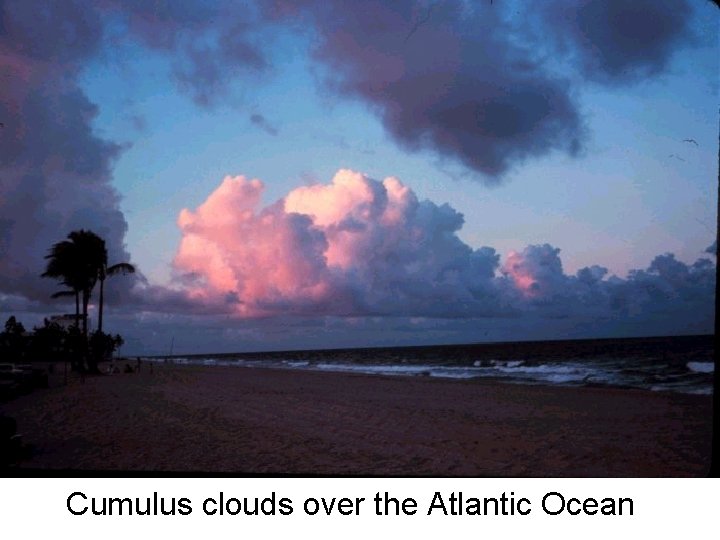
683, 364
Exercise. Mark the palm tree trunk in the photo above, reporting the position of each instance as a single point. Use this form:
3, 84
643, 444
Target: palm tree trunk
100, 306
76, 362
77, 309
85, 301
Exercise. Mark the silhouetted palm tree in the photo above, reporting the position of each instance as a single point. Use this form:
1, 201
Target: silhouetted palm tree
76, 262
64, 264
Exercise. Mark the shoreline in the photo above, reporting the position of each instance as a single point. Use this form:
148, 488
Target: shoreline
459, 372
501, 349
219, 419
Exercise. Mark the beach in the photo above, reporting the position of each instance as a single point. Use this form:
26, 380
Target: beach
252, 420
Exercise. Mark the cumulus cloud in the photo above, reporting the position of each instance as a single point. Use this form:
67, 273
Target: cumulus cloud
668, 289
356, 246
620, 42
537, 272
359, 247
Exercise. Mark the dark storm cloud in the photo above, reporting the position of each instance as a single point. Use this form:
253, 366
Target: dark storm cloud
61, 32
54, 171
446, 77
616, 41
466, 81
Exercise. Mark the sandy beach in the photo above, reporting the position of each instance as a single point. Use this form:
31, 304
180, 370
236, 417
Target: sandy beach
226, 419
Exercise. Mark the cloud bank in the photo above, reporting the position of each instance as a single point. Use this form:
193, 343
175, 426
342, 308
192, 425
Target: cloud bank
359, 247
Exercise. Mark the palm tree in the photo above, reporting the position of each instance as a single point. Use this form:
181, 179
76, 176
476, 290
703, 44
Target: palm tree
64, 263
76, 262
89, 250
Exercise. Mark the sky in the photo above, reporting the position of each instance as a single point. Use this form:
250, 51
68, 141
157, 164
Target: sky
339, 174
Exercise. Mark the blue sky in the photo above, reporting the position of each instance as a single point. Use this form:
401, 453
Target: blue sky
635, 190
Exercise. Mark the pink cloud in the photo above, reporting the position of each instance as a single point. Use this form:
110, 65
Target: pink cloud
352, 211
521, 276
354, 246
536, 272
261, 256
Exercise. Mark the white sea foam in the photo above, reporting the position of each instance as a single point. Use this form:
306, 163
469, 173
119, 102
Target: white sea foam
297, 364
375, 369
498, 363
512, 363
701, 367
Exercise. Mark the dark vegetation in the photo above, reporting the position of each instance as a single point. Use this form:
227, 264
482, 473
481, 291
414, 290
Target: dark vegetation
54, 343
78, 263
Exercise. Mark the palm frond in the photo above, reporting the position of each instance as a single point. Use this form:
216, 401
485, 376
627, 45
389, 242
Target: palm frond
121, 268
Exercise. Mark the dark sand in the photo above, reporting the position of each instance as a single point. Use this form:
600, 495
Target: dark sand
224, 419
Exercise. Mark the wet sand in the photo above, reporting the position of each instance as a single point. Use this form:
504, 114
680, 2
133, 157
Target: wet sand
226, 419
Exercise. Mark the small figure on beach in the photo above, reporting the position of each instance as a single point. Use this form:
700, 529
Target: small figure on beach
139, 363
